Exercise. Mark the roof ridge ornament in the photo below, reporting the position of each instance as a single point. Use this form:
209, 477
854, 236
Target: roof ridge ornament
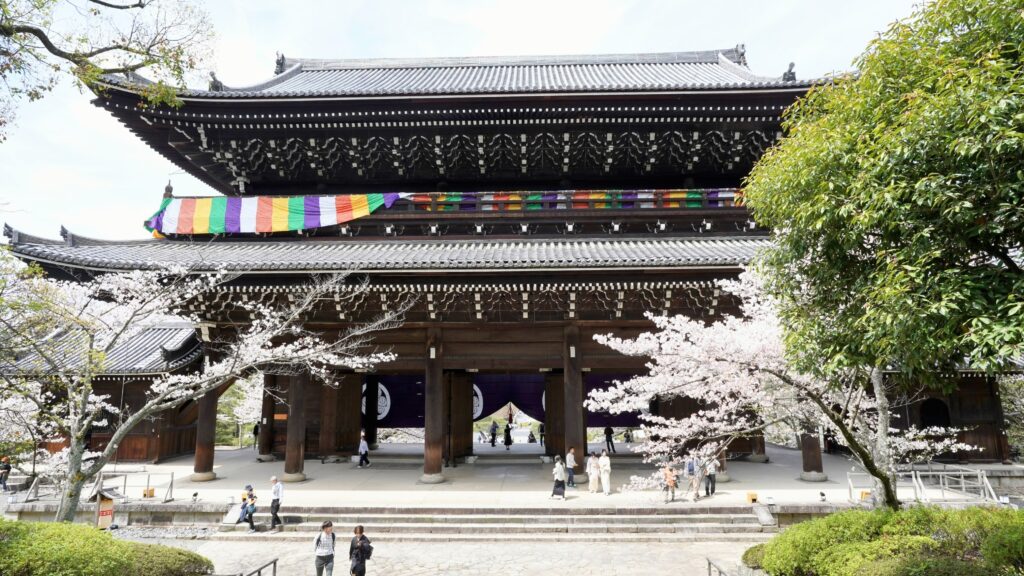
741, 54
789, 75
279, 64
215, 84
168, 190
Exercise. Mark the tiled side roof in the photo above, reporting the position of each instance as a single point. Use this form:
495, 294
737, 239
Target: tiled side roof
712, 69
155, 350
399, 255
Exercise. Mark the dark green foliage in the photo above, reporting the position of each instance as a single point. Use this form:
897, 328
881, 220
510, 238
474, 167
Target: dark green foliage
1004, 546
923, 566
793, 552
754, 556
60, 549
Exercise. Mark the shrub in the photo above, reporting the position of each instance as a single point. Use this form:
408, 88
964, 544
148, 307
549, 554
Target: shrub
923, 566
60, 549
1004, 547
792, 552
753, 557
847, 559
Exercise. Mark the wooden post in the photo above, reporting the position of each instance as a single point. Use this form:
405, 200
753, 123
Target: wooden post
370, 416
349, 406
206, 433
554, 399
266, 438
810, 449
328, 442
462, 414
434, 410
758, 453
575, 431
295, 442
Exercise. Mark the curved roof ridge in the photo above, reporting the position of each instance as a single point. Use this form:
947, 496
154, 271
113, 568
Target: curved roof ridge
693, 57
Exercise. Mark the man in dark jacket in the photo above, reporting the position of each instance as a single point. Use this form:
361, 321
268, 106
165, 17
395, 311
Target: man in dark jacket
359, 551
608, 439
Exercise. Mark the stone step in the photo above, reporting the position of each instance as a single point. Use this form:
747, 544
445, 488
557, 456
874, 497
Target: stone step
546, 510
505, 528
617, 537
514, 519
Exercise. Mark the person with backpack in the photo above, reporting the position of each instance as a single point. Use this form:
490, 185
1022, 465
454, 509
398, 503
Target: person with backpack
323, 548
359, 551
710, 470
5, 472
250, 512
693, 473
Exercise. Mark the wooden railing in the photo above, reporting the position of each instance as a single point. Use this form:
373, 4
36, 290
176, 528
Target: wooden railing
571, 200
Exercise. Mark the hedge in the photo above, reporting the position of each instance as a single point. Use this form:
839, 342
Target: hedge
62, 549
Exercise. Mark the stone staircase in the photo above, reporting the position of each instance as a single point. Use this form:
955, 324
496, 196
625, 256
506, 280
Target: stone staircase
661, 524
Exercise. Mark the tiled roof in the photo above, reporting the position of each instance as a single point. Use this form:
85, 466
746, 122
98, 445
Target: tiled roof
305, 255
713, 69
155, 350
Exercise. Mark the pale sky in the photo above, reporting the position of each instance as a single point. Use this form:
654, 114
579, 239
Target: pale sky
66, 162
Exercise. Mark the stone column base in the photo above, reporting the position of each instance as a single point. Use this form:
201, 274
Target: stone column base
373, 446
722, 478
581, 478
431, 478
761, 458
813, 476
266, 458
293, 477
203, 476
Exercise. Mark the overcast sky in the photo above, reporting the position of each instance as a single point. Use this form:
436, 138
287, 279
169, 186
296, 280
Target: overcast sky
68, 163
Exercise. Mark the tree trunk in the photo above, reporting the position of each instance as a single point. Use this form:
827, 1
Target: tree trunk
885, 489
72, 492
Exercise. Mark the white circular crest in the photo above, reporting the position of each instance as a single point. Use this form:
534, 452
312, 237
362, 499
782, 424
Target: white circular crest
543, 398
383, 401
478, 402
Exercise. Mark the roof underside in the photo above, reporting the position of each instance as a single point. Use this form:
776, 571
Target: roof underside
673, 71
394, 255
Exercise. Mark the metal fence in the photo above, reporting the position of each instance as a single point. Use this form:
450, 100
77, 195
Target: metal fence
268, 569
955, 484
141, 482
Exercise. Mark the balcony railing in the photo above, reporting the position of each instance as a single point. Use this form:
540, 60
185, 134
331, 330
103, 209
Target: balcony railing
572, 200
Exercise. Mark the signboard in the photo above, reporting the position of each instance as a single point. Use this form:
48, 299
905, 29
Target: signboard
105, 516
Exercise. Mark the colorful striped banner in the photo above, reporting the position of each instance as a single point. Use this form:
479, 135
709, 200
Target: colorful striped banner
258, 214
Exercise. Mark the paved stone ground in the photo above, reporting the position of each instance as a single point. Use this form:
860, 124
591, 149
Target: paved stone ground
473, 559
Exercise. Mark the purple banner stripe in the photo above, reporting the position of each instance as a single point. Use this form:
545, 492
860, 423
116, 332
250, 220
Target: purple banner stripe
311, 210
233, 216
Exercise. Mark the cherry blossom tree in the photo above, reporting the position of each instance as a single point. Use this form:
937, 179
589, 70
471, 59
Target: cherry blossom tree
737, 372
55, 335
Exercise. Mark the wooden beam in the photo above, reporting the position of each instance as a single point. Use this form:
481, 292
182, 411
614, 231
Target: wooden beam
434, 410
295, 442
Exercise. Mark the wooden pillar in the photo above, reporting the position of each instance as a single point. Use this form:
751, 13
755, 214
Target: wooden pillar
810, 448
757, 452
433, 410
574, 431
462, 414
206, 433
295, 442
554, 399
266, 438
328, 442
370, 415
349, 406
448, 444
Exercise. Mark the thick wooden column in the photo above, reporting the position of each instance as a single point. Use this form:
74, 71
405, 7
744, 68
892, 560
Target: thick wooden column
349, 405
758, 453
462, 414
295, 443
434, 422
370, 416
328, 442
448, 444
266, 437
206, 433
575, 431
810, 448
554, 414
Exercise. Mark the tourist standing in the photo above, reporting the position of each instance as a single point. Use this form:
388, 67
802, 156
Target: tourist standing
5, 472
710, 469
541, 433
255, 435
508, 436
559, 473
693, 473
250, 512
276, 494
627, 436
364, 451
594, 473
605, 465
494, 433
570, 465
359, 551
324, 549
668, 475
609, 442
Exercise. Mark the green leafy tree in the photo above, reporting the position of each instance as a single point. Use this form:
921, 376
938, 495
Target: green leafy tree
896, 200
42, 41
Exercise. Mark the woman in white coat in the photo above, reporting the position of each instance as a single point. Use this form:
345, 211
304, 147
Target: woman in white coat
605, 464
559, 474
593, 473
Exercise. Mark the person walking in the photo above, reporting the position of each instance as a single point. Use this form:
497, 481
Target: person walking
605, 465
559, 473
508, 436
668, 475
693, 473
364, 451
5, 471
359, 551
609, 441
323, 548
570, 467
250, 512
541, 433
594, 473
276, 494
710, 469
255, 435
494, 433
